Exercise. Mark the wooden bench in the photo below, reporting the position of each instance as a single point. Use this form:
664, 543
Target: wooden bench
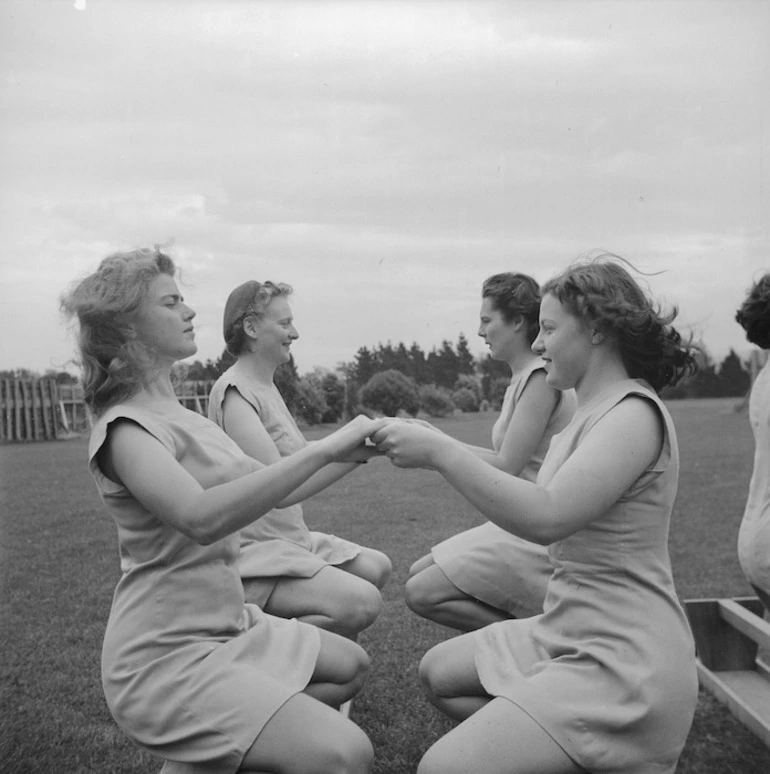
729, 635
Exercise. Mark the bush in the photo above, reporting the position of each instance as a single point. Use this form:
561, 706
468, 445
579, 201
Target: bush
465, 399
389, 392
436, 401
310, 403
472, 383
334, 393
497, 391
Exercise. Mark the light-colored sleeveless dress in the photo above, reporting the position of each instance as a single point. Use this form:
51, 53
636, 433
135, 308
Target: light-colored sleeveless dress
190, 671
754, 534
488, 563
280, 543
608, 670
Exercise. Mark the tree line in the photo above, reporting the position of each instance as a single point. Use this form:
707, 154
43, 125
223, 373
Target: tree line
388, 378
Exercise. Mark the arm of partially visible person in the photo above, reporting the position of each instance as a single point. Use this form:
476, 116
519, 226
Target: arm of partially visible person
614, 453
154, 477
524, 433
243, 425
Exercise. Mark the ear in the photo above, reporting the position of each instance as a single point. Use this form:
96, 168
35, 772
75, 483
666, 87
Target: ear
250, 327
597, 337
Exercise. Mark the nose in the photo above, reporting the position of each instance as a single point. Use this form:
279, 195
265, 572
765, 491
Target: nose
481, 331
293, 333
537, 345
190, 313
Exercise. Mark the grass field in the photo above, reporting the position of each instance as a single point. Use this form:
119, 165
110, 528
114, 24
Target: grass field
58, 559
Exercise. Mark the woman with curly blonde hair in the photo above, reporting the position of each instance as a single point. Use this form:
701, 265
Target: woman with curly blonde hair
191, 672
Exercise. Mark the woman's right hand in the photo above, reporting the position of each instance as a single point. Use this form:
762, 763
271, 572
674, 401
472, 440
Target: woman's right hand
348, 443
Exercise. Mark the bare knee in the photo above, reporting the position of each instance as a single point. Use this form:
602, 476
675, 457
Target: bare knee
421, 595
347, 753
355, 612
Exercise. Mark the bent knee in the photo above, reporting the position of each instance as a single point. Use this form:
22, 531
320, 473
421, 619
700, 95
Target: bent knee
348, 753
356, 612
423, 594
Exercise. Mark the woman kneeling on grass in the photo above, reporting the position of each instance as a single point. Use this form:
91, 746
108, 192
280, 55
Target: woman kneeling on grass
604, 680
286, 569
191, 672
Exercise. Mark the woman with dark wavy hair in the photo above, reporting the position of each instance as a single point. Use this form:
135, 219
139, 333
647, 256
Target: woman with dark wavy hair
191, 672
486, 574
754, 535
604, 679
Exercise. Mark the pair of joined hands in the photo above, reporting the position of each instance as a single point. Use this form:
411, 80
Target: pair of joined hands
408, 443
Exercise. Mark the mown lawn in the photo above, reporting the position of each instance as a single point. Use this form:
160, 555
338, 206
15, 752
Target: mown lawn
58, 564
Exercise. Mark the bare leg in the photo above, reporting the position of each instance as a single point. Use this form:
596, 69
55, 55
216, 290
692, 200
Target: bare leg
450, 680
307, 737
332, 599
371, 565
430, 594
340, 671
498, 739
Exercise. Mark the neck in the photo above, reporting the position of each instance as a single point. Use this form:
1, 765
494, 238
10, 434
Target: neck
256, 368
602, 374
518, 361
159, 389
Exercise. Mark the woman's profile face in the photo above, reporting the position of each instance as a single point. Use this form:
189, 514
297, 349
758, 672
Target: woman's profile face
501, 337
163, 321
275, 332
564, 343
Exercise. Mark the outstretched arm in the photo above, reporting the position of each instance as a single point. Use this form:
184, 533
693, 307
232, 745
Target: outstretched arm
243, 425
617, 450
150, 472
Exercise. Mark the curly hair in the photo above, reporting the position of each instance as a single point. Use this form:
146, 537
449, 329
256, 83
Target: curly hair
114, 363
753, 314
602, 292
235, 337
515, 295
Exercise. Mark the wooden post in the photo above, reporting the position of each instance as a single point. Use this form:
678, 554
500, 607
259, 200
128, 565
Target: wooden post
29, 430
6, 422
17, 410
45, 406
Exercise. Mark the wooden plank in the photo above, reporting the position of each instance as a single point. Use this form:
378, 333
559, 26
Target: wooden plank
745, 692
29, 431
753, 626
53, 398
45, 407
7, 399
34, 409
719, 645
17, 402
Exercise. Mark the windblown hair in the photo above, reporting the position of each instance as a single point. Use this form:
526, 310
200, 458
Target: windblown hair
115, 364
602, 293
236, 339
754, 313
515, 295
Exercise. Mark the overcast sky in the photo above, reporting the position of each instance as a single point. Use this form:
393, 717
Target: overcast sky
382, 157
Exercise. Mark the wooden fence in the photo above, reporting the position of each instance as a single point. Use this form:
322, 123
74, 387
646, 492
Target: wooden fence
42, 410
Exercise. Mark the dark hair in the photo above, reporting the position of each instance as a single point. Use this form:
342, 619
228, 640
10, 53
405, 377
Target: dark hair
601, 291
235, 337
754, 313
113, 361
515, 295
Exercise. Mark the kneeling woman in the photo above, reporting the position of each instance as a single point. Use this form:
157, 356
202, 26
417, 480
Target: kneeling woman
287, 569
604, 680
191, 672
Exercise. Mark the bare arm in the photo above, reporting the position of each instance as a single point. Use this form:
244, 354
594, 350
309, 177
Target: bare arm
155, 478
243, 424
617, 450
525, 432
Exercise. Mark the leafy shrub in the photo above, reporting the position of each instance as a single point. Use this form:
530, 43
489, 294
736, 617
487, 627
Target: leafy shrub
389, 392
334, 392
436, 401
497, 390
465, 399
310, 403
472, 383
